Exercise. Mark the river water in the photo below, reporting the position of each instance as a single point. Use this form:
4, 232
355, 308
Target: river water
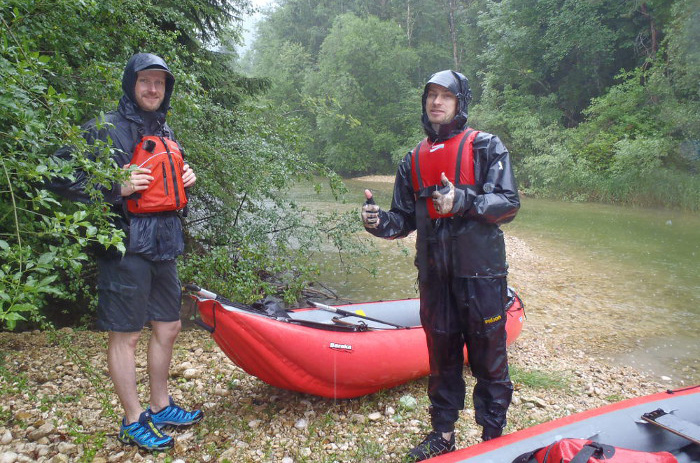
623, 282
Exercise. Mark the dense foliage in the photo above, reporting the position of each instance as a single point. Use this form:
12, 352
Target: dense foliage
595, 100
61, 63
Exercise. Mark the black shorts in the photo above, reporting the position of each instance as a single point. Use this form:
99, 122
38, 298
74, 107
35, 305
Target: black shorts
133, 290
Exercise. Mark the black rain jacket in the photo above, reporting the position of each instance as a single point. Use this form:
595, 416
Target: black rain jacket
157, 237
472, 236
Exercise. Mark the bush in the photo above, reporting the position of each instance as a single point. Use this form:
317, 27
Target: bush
41, 247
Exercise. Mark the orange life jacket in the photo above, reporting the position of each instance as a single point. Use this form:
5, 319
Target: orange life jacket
166, 192
429, 161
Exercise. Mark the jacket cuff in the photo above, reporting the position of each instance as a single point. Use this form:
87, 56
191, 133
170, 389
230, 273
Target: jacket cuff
463, 201
383, 222
114, 196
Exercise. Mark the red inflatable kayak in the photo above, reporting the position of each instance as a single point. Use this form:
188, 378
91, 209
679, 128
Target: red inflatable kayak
337, 352
663, 422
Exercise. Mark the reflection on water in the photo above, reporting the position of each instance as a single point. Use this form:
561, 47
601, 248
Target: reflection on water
627, 277
642, 264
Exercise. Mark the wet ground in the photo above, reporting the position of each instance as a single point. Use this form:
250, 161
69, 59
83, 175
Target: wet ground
617, 282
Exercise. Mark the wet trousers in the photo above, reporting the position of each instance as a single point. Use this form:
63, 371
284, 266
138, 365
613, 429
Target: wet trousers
459, 312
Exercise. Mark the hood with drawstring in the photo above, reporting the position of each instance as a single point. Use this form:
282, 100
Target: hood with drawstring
152, 120
458, 84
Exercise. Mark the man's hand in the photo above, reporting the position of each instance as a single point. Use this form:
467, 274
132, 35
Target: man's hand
188, 176
138, 181
444, 201
370, 212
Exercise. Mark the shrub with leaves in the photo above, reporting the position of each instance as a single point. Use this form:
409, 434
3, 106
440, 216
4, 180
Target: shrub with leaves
41, 243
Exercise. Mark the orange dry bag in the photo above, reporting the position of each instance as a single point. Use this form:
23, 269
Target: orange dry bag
587, 451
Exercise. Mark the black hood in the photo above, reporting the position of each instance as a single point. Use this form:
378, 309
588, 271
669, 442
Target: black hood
141, 62
458, 84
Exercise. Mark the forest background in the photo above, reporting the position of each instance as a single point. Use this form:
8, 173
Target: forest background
597, 100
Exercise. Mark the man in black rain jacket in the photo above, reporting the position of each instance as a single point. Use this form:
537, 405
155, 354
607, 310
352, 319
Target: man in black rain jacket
142, 286
455, 189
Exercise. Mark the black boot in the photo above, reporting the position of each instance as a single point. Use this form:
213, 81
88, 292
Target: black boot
433, 445
490, 433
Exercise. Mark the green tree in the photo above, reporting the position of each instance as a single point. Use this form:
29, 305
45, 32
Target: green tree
566, 48
366, 106
683, 72
302, 22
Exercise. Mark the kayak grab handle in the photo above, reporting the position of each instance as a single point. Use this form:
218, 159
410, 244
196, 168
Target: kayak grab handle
201, 292
206, 294
204, 326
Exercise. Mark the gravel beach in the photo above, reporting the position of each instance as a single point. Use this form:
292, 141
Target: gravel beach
58, 404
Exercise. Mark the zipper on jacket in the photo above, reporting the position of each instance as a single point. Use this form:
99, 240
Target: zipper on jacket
165, 178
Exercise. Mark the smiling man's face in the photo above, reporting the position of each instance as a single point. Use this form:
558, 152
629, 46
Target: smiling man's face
150, 89
440, 104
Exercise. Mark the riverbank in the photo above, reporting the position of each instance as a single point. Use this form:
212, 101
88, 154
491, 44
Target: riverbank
58, 404
620, 281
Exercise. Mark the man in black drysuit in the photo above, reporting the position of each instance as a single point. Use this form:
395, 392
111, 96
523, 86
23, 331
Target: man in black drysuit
455, 189
141, 286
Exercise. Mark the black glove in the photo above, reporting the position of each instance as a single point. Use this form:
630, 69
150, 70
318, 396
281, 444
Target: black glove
444, 198
370, 211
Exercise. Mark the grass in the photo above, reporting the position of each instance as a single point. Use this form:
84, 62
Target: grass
537, 379
614, 398
92, 441
369, 451
12, 383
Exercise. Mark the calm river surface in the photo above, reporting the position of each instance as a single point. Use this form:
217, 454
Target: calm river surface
624, 279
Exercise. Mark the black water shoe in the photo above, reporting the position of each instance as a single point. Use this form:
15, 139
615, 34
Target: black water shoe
490, 433
433, 445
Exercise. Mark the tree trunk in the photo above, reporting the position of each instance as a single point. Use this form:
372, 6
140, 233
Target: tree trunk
409, 22
453, 32
653, 32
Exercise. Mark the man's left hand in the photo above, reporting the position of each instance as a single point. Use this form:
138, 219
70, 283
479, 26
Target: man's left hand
370, 211
444, 201
188, 176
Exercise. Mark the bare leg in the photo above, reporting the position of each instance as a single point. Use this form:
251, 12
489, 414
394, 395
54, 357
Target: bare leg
121, 361
160, 352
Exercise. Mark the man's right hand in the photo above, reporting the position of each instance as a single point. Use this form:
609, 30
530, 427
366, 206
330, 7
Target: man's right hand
138, 181
370, 212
